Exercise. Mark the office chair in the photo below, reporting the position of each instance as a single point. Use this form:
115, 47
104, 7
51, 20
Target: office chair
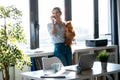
46, 62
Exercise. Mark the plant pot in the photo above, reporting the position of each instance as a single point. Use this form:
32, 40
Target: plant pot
104, 65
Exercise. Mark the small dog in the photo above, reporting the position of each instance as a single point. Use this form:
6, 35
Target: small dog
69, 33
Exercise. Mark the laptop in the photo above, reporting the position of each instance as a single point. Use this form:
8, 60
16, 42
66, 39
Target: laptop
86, 61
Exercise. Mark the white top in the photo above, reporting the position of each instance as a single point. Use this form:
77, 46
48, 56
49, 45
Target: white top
59, 36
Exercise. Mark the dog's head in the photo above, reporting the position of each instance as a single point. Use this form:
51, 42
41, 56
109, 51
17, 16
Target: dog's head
69, 26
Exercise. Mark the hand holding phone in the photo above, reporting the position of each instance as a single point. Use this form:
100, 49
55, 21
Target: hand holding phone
54, 19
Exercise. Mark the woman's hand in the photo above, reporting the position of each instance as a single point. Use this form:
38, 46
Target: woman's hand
53, 19
53, 22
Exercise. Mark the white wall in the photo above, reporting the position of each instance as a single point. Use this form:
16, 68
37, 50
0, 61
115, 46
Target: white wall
12, 77
15, 73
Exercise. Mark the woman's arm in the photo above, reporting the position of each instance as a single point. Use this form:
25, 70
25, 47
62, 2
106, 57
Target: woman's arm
53, 25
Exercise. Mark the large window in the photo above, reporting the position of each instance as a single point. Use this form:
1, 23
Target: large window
104, 19
45, 11
22, 5
83, 19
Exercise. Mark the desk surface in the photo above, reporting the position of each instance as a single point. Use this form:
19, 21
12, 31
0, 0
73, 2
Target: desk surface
49, 51
95, 71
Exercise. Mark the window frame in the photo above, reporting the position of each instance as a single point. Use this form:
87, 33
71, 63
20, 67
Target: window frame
34, 26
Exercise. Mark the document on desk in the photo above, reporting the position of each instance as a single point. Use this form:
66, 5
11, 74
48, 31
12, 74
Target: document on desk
71, 68
53, 74
34, 51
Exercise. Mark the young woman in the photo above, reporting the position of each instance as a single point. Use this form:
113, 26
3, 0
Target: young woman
57, 33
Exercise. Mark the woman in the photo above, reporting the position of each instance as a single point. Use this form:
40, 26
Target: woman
57, 33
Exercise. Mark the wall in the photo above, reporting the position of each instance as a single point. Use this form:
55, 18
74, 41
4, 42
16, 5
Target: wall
12, 77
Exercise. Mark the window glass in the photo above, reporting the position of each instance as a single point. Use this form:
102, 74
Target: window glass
104, 19
22, 5
82, 19
45, 11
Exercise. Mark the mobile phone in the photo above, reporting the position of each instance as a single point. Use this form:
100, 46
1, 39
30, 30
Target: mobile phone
54, 19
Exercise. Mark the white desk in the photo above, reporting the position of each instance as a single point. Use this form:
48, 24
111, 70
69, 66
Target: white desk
96, 71
77, 50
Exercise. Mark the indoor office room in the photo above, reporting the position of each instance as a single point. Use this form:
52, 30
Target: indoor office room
25, 38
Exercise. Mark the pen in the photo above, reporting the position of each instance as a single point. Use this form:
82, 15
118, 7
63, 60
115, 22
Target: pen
52, 76
71, 70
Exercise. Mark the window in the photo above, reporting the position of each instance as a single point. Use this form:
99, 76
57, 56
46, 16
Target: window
25, 18
45, 11
82, 19
104, 19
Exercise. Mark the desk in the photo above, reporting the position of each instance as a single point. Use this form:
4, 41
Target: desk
96, 71
77, 51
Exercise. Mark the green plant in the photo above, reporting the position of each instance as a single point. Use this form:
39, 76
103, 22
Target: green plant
103, 56
11, 33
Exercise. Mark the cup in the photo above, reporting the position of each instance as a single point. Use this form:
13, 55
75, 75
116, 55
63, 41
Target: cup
56, 66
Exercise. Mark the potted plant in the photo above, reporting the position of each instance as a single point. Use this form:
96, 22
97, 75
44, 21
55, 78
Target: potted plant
103, 58
11, 33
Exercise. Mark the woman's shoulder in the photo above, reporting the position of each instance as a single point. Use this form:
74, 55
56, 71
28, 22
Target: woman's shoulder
49, 24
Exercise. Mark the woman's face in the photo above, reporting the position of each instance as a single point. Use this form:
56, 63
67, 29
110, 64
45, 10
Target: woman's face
56, 13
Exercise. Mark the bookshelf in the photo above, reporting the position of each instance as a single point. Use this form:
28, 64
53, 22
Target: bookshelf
90, 50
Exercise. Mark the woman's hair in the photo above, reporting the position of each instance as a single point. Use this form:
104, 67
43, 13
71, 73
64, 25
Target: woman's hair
57, 8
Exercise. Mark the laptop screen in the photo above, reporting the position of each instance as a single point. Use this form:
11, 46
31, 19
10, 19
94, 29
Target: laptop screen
86, 61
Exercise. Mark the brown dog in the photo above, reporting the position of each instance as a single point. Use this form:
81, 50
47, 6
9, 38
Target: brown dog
69, 33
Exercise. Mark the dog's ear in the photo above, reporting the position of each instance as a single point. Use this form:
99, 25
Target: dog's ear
68, 24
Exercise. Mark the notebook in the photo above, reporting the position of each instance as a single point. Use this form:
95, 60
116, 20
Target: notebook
86, 61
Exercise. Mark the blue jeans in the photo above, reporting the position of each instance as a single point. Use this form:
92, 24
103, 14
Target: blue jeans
64, 53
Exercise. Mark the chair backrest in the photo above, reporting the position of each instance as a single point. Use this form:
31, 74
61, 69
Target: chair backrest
46, 62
